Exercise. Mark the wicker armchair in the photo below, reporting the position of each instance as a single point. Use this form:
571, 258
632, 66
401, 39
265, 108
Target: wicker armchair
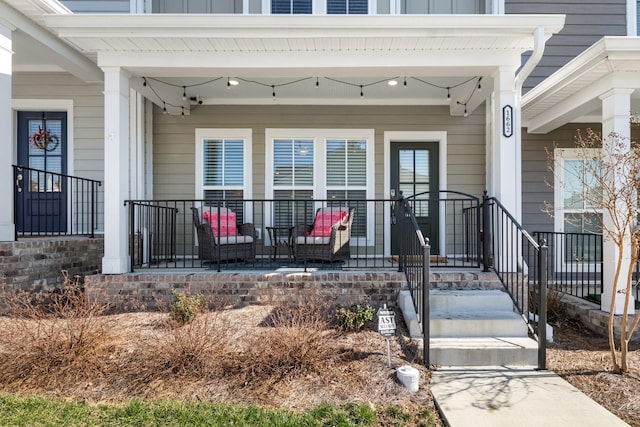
334, 247
224, 248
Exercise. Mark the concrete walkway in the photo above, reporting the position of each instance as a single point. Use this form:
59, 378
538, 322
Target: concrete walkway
499, 396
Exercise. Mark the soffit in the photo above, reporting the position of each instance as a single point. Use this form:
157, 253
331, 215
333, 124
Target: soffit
572, 94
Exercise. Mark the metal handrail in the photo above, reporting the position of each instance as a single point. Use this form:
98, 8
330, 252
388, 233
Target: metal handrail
49, 203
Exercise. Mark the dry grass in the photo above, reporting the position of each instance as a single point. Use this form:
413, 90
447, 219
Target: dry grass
287, 356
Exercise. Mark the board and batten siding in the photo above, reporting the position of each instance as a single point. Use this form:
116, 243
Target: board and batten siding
98, 6
174, 139
587, 21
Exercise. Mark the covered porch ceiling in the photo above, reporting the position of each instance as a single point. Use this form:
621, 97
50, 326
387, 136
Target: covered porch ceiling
346, 60
572, 94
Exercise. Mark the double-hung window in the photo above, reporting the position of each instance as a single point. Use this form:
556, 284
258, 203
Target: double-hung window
312, 168
350, 7
578, 212
223, 167
279, 7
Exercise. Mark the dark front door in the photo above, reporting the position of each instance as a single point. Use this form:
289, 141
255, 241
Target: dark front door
42, 146
414, 171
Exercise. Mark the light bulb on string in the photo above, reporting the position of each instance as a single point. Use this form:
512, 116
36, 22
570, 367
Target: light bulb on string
448, 94
182, 111
317, 82
405, 83
480, 84
164, 108
361, 92
184, 93
273, 91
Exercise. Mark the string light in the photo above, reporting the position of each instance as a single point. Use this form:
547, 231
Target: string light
465, 107
146, 82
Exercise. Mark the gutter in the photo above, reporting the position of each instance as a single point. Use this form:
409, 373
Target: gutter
534, 60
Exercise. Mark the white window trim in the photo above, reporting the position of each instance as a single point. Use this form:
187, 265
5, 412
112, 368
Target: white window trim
213, 133
319, 137
560, 155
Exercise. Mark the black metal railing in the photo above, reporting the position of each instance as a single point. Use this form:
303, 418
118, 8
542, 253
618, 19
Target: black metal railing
255, 234
414, 261
575, 263
521, 265
54, 204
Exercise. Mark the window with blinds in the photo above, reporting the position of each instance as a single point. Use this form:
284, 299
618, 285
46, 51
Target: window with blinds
291, 6
351, 7
223, 169
293, 170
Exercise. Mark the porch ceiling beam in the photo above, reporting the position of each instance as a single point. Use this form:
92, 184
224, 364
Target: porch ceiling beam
290, 64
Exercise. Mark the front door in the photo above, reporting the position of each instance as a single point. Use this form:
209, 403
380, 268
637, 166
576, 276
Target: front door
42, 145
414, 170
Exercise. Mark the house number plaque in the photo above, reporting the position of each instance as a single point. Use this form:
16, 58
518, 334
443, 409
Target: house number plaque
507, 121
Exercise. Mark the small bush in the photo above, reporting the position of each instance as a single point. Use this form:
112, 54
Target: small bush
354, 317
185, 308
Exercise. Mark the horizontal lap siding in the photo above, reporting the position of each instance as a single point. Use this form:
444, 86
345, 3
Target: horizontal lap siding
537, 180
88, 115
174, 139
586, 22
98, 6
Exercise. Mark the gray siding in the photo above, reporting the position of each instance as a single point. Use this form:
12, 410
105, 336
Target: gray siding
98, 6
174, 137
537, 180
586, 22
88, 115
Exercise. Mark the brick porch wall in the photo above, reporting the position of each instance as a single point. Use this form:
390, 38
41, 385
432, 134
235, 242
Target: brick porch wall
40, 261
139, 291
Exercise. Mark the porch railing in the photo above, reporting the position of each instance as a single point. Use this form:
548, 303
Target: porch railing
575, 264
522, 266
162, 233
54, 204
414, 260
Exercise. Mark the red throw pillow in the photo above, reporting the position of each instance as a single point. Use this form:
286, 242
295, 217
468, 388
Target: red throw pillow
324, 221
228, 225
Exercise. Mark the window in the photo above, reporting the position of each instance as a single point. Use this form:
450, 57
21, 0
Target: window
350, 7
223, 167
291, 6
577, 197
318, 167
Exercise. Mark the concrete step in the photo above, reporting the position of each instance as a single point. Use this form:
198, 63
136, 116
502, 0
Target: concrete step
493, 351
460, 300
477, 324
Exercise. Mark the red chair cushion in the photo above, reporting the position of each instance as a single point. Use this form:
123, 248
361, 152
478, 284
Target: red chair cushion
325, 220
228, 226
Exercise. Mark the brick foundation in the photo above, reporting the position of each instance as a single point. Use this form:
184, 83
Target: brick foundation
144, 291
39, 261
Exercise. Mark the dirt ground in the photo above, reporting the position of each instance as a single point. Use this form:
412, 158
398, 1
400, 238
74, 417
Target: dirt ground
583, 359
139, 356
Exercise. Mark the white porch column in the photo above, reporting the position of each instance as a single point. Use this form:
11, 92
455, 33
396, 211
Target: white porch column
616, 115
7, 226
116, 170
505, 181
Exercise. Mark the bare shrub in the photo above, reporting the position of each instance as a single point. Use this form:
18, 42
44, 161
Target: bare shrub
299, 343
173, 351
53, 340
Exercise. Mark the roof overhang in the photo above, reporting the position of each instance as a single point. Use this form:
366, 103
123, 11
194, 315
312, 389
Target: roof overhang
572, 94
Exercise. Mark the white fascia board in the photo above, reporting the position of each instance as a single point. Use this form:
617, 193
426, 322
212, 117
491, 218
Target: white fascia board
581, 103
71, 60
285, 64
183, 25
